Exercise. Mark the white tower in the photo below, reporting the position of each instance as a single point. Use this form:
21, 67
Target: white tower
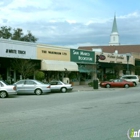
114, 37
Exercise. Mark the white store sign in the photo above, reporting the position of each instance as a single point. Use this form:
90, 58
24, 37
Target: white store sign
17, 49
115, 58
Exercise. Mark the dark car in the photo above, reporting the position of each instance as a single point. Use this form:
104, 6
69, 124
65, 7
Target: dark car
59, 86
117, 83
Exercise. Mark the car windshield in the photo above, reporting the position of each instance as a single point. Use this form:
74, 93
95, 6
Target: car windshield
111, 80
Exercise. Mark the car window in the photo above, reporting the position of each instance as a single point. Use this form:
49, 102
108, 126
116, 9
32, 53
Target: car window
125, 77
120, 80
1, 85
20, 82
133, 77
59, 83
30, 83
129, 77
53, 83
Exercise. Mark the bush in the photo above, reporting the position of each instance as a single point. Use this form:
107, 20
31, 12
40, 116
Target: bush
90, 84
39, 75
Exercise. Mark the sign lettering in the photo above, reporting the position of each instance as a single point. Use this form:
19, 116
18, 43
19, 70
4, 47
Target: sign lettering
15, 51
82, 56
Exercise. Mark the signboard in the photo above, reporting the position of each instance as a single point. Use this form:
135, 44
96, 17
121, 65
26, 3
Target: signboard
53, 53
17, 49
82, 56
114, 58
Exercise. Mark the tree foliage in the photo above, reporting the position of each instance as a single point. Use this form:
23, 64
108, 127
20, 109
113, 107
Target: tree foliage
39, 75
5, 32
25, 67
16, 34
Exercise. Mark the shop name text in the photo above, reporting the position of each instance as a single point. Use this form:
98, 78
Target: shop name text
53, 52
15, 51
82, 56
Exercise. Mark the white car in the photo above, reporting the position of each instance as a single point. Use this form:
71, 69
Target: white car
58, 86
6, 90
131, 78
30, 86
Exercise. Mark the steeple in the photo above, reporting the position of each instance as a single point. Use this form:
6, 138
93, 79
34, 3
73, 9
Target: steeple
114, 37
114, 27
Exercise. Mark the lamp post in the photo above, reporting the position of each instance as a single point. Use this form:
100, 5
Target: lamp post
95, 81
128, 55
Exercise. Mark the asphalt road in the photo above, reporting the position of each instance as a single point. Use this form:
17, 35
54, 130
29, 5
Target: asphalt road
87, 115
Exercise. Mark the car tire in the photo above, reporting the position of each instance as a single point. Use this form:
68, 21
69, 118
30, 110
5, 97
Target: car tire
108, 86
63, 90
3, 94
126, 86
38, 91
134, 84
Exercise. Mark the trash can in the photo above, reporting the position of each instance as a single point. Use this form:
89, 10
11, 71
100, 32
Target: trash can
95, 84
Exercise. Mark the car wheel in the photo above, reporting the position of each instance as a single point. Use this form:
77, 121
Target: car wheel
38, 91
63, 90
134, 84
3, 94
107, 86
126, 86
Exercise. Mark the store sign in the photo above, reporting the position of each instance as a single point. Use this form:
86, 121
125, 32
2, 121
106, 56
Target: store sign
115, 57
82, 56
15, 51
54, 52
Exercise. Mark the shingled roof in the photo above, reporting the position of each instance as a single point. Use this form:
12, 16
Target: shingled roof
112, 49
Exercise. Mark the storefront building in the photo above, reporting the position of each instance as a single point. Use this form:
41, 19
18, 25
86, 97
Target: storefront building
69, 65
13, 50
86, 65
55, 62
113, 65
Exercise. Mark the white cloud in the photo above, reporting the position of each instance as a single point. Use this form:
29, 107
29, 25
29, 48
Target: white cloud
69, 22
131, 15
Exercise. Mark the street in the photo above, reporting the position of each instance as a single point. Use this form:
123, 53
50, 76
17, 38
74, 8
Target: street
86, 115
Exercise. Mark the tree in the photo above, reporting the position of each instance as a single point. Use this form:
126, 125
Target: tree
16, 34
29, 37
25, 67
5, 32
39, 75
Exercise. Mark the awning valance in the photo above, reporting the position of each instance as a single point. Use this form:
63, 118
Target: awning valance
53, 65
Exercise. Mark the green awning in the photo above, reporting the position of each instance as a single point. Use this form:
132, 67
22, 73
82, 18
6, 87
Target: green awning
84, 70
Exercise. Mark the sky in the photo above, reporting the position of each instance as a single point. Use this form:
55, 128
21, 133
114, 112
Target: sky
73, 23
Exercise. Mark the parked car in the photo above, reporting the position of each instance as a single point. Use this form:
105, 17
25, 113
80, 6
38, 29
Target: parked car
6, 90
30, 86
117, 83
131, 78
59, 86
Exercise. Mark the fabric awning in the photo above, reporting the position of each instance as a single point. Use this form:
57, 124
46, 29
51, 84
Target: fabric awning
52, 65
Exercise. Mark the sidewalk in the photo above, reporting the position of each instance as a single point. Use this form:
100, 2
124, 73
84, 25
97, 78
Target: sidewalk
85, 88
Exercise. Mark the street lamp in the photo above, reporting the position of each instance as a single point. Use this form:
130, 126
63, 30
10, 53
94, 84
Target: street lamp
128, 55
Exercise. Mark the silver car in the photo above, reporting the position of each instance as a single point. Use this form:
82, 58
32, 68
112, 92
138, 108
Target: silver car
58, 86
29, 86
6, 90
